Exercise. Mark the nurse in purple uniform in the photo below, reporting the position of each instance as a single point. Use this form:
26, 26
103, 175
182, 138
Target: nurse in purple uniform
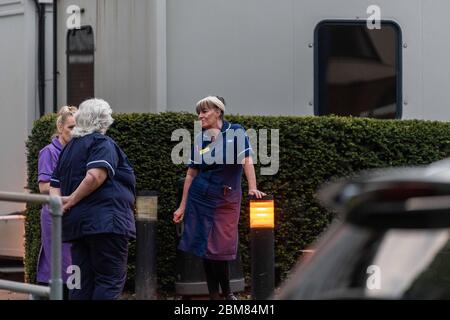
211, 201
48, 158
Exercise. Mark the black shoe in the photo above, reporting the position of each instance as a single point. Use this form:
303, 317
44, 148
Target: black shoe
231, 296
214, 296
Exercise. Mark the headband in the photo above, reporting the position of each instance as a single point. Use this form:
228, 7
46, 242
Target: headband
214, 100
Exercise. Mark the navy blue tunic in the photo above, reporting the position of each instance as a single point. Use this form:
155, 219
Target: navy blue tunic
109, 209
214, 199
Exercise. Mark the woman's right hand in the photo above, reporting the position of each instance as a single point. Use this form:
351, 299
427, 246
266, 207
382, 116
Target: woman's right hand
67, 203
178, 215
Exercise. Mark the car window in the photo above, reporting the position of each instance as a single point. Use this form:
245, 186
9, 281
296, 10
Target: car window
364, 263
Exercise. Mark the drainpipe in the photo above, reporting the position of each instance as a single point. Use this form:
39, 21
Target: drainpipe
41, 56
55, 58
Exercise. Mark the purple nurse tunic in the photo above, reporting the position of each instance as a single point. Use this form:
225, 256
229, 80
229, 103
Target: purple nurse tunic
214, 200
48, 158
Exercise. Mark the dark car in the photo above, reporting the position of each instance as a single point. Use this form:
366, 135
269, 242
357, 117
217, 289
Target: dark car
391, 239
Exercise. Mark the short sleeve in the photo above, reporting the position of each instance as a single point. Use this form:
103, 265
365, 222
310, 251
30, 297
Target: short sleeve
103, 154
55, 179
192, 160
244, 149
45, 165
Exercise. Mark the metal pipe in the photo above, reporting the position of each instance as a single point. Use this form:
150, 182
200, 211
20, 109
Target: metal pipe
55, 56
23, 197
42, 291
41, 59
55, 282
41, 56
55, 290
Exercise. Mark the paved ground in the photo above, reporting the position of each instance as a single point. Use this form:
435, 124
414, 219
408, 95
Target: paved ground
18, 276
8, 295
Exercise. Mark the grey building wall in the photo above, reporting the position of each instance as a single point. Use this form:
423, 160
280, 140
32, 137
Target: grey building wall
166, 54
155, 55
17, 93
130, 52
407, 13
88, 18
434, 81
258, 54
425, 58
241, 50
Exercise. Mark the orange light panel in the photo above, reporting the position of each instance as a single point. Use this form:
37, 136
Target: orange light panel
262, 213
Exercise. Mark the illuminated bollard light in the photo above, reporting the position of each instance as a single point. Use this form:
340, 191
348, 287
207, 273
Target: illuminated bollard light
262, 247
146, 209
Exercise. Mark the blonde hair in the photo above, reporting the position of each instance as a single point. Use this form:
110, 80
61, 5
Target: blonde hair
62, 115
93, 115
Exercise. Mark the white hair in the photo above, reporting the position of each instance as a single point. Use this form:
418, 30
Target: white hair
211, 100
93, 115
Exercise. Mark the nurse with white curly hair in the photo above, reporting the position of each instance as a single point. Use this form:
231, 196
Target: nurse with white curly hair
97, 184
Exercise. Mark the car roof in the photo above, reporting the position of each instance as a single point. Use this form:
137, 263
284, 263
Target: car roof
406, 197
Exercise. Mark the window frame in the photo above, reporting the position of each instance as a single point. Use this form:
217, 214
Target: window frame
68, 52
398, 59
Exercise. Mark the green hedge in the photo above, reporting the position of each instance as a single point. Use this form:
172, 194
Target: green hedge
312, 150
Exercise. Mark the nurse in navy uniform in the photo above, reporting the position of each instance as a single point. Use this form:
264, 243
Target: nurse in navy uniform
97, 183
211, 202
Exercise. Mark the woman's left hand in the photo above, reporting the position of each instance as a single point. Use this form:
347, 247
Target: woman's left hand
256, 193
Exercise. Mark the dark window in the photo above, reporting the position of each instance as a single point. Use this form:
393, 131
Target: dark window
80, 65
358, 70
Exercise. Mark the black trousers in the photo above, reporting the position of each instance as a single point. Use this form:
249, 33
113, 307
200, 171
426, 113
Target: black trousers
102, 259
217, 273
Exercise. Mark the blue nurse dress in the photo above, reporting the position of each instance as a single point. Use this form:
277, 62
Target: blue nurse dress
214, 198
